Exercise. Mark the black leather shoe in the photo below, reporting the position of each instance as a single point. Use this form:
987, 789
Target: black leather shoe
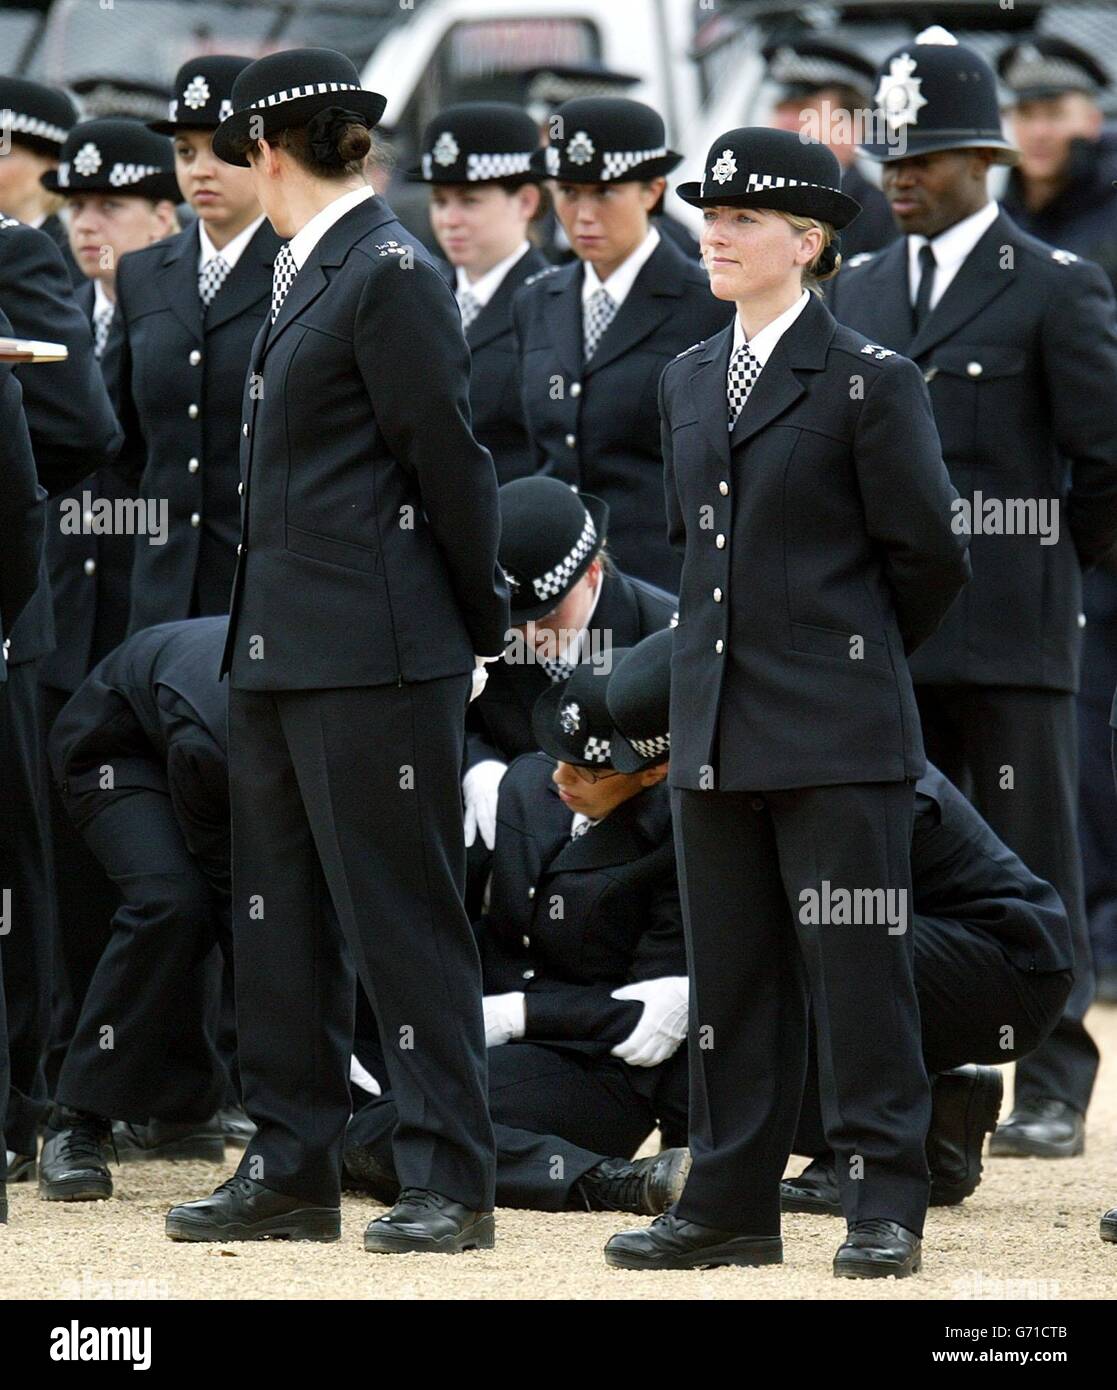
20, 1167
671, 1243
1109, 1226
645, 1187
72, 1166
243, 1209
237, 1128
878, 1250
1041, 1129
815, 1190
361, 1171
965, 1104
200, 1140
426, 1222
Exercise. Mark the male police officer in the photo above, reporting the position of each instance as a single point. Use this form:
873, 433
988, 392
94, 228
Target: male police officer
1019, 345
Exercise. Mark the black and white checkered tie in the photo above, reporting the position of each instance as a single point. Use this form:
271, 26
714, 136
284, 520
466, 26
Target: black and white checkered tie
470, 306
102, 322
744, 368
283, 277
211, 277
598, 313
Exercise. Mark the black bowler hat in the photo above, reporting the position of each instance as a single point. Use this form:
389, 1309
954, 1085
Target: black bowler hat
203, 94
287, 89
936, 94
115, 155
478, 142
754, 167
803, 66
36, 116
1047, 67
549, 535
639, 698
571, 721
607, 140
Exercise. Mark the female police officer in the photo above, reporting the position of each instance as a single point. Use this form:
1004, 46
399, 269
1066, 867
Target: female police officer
366, 587
477, 159
807, 491
596, 334
187, 311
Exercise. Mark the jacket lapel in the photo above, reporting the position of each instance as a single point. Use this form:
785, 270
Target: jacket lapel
624, 835
980, 278
495, 319
651, 301
248, 282
802, 347
178, 280
564, 309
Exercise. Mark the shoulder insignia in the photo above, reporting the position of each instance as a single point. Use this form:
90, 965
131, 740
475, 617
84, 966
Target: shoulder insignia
674, 619
542, 274
693, 348
10, 222
875, 350
1064, 257
392, 248
859, 259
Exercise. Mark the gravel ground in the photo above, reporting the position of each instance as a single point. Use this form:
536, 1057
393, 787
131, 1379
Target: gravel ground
1031, 1230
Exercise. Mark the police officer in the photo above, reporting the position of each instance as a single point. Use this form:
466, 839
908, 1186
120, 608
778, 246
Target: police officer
188, 310
484, 194
595, 335
73, 432
40, 119
817, 552
821, 87
90, 570
1062, 192
583, 959
992, 973
21, 525
569, 603
139, 754
366, 592
1019, 345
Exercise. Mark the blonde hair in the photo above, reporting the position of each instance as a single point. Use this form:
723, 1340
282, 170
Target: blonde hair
812, 275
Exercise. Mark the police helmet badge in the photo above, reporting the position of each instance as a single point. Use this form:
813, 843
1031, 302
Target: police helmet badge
898, 95
570, 717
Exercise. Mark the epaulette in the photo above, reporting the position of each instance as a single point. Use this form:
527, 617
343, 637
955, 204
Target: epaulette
1064, 257
859, 259
693, 348
542, 274
880, 353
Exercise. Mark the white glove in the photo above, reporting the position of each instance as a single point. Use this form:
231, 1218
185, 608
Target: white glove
480, 786
480, 675
504, 1018
362, 1077
662, 1025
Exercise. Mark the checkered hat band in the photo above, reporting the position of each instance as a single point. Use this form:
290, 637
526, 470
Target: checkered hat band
497, 166
18, 122
806, 68
1046, 72
618, 162
552, 583
757, 182
312, 89
123, 174
651, 747
596, 750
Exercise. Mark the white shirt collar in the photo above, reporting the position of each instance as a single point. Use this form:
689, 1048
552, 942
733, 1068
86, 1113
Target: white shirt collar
231, 253
580, 818
307, 238
952, 246
102, 304
483, 290
620, 283
763, 343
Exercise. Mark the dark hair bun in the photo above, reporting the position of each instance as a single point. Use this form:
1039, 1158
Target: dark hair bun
830, 260
338, 137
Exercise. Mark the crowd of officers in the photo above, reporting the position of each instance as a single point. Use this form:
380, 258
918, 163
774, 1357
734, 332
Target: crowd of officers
594, 344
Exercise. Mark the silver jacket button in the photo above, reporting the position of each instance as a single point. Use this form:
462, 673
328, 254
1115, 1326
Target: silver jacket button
575, 389
719, 541
717, 595
192, 411
974, 368
723, 488
193, 466
195, 518
90, 566
195, 357
719, 646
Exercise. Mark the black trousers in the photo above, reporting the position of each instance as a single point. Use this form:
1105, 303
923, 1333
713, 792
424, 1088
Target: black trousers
5, 932
351, 800
974, 1006
143, 1044
26, 868
745, 860
86, 900
974, 734
556, 1114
